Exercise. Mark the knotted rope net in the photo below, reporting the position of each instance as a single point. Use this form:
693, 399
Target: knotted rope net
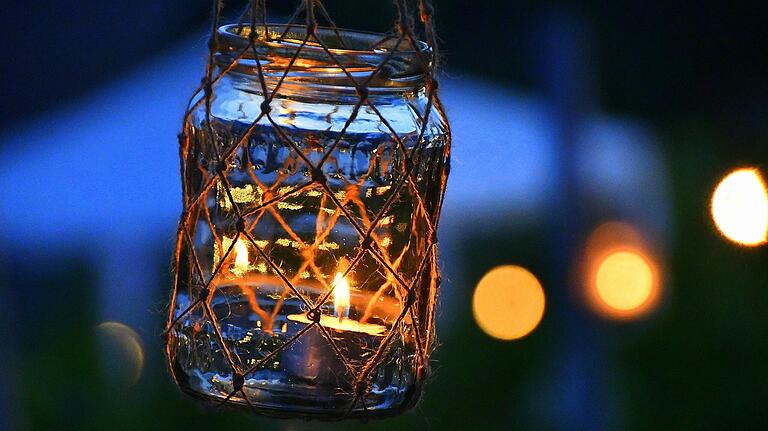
414, 284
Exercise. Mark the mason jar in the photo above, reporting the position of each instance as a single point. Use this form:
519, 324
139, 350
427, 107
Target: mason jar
306, 269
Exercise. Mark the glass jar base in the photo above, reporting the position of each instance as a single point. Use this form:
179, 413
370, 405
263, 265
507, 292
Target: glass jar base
297, 400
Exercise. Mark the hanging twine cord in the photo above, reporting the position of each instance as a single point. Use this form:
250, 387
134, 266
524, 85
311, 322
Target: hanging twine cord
411, 295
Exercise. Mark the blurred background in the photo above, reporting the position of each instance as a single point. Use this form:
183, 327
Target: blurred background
608, 181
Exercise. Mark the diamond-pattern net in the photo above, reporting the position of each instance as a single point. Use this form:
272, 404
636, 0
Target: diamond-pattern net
414, 277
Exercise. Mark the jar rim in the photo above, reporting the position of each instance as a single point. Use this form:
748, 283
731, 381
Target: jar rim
361, 53
281, 34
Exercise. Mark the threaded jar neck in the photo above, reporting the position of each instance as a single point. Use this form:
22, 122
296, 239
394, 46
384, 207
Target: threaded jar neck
368, 58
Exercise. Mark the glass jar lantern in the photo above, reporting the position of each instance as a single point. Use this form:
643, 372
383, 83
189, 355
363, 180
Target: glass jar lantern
313, 171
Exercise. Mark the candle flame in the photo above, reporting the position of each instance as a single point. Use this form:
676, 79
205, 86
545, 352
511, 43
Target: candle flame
340, 296
241, 256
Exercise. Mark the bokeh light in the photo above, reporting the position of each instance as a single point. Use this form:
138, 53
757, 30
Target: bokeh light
122, 355
621, 277
508, 302
624, 280
740, 207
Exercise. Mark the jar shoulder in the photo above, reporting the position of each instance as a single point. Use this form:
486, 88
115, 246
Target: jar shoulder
403, 114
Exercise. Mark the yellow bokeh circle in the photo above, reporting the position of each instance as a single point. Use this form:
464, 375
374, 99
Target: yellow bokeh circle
508, 302
625, 281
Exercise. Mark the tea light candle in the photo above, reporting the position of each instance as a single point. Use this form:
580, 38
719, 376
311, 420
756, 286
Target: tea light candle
341, 321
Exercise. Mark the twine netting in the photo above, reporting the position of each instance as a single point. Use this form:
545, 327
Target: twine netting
414, 285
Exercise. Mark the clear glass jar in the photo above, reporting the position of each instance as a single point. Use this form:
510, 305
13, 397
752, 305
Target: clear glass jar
307, 271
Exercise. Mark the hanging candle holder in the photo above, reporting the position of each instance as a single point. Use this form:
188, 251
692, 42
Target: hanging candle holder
313, 162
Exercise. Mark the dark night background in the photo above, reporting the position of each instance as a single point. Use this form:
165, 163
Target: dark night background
691, 78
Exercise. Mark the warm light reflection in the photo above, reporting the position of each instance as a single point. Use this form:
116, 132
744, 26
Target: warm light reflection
508, 302
740, 207
122, 356
340, 296
621, 278
248, 195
